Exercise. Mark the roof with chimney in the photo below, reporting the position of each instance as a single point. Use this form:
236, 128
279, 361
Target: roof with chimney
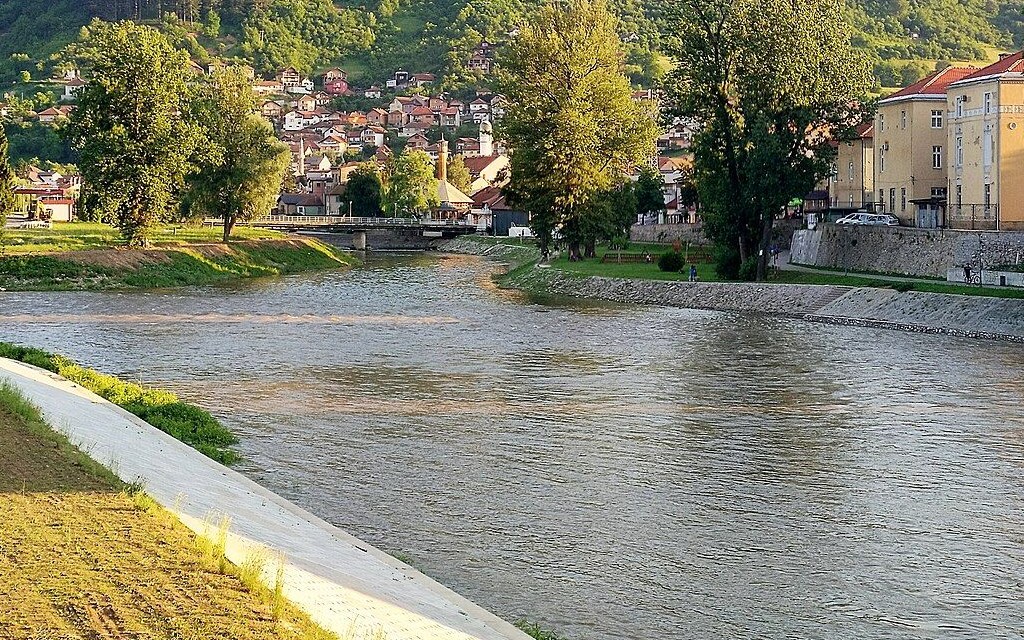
1008, 64
932, 86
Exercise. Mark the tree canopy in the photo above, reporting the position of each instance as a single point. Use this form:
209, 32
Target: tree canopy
771, 85
571, 120
135, 147
238, 175
411, 187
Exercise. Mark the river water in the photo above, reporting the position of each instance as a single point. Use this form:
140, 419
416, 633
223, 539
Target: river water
610, 472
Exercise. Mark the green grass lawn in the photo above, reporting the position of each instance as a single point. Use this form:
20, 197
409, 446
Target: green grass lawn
706, 273
80, 236
643, 270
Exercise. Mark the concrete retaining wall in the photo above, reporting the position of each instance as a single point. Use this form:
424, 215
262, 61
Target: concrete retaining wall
918, 252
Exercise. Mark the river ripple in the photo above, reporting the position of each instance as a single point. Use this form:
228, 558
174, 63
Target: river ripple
612, 472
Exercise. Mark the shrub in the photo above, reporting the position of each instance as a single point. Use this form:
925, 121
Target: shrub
671, 261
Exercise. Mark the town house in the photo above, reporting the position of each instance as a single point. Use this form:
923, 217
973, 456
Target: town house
986, 135
910, 149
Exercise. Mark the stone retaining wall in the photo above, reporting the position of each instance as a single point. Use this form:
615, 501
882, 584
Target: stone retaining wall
916, 252
782, 233
967, 316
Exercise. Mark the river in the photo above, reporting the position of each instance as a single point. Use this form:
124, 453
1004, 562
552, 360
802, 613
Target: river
607, 471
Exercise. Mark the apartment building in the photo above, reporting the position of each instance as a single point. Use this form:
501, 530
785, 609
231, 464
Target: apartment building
911, 141
852, 184
986, 135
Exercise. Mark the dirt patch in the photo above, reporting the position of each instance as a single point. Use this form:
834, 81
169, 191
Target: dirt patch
135, 258
80, 558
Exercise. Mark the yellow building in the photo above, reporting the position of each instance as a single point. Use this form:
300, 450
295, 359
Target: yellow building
852, 184
910, 169
986, 136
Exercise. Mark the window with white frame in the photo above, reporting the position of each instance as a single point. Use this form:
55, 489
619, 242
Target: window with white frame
937, 157
881, 122
903, 199
959, 106
959, 159
881, 159
851, 171
892, 199
936, 118
988, 102
988, 197
903, 119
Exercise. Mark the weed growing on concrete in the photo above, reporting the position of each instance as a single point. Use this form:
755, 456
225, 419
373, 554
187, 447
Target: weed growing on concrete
535, 631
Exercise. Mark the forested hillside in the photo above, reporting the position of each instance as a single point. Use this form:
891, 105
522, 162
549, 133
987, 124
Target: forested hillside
374, 37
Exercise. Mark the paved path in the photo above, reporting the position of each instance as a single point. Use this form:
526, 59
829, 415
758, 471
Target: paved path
346, 585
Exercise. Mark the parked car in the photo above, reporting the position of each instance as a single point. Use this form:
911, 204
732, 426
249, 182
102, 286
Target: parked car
859, 217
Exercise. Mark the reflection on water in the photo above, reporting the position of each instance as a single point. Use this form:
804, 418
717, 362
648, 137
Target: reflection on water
611, 472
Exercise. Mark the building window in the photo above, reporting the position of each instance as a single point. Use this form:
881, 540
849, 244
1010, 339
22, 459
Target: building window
881, 122
881, 159
903, 119
986, 147
959, 106
959, 195
937, 157
938, 192
851, 172
988, 102
936, 119
903, 199
892, 199
851, 200
959, 151
881, 198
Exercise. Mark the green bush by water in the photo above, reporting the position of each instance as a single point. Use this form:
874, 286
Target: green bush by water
671, 261
162, 409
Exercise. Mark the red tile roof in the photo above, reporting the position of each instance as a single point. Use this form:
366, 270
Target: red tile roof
1013, 63
933, 84
866, 130
476, 164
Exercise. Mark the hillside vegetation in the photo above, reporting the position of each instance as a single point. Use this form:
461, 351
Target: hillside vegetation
372, 39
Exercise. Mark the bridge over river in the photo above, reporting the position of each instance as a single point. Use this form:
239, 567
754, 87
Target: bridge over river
387, 232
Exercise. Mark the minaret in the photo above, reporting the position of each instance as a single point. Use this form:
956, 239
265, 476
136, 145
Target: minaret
486, 139
442, 161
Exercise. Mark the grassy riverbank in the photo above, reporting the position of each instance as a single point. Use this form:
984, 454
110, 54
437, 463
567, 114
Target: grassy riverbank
84, 556
81, 256
706, 273
162, 409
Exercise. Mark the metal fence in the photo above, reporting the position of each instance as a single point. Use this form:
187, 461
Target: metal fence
976, 217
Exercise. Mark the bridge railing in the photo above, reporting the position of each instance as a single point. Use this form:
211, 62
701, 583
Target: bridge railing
320, 221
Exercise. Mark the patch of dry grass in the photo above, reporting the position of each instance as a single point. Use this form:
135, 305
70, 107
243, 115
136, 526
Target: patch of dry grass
84, 556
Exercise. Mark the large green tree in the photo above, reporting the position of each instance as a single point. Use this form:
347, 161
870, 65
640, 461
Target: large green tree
458, 174
7, 184
135, 145
571, 123
771, 86
411, 187
238, 176
363, 191
650, 191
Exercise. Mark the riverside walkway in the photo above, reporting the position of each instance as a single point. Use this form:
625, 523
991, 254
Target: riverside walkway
344, 584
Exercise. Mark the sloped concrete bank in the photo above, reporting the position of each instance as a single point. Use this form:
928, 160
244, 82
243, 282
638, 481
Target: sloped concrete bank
963, 316
345, 585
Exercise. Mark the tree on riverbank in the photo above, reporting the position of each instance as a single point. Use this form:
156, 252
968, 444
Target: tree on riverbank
7, 183
135, 145
571, 120
363, 191
771, 86
238, 176
411, 187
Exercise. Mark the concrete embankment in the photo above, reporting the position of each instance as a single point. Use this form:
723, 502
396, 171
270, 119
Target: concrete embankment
966, 316
345, 585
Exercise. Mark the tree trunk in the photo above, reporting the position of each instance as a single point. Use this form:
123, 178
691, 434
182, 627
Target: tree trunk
590, 250
767, 222
574, 251
229, 225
